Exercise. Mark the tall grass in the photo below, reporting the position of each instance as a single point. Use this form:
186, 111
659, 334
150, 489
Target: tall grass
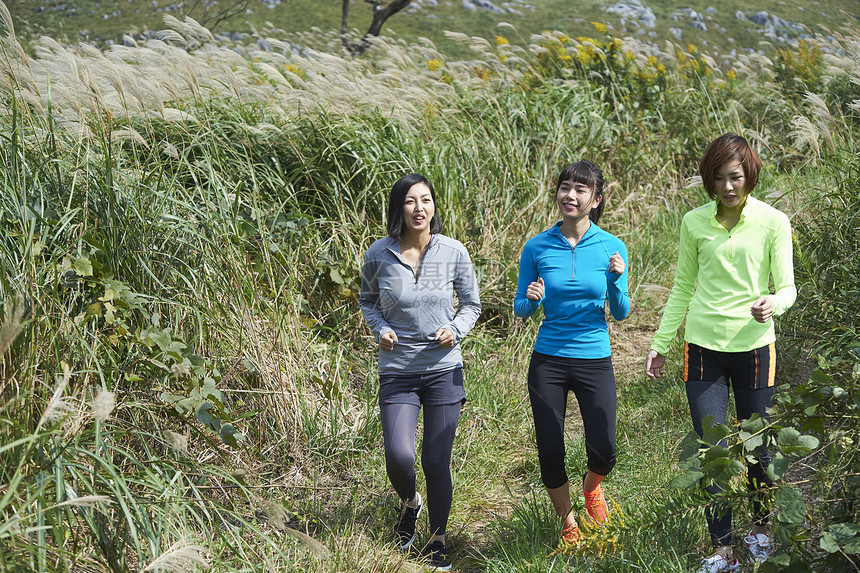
183, 228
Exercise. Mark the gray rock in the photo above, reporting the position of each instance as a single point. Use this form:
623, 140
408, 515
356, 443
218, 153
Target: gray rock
634, 10
486, 5
761, 18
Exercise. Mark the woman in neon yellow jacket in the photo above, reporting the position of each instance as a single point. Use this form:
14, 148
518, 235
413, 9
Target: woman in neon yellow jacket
729, 251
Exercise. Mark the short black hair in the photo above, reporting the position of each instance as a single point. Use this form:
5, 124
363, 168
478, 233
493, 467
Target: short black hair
398, 197
588, 174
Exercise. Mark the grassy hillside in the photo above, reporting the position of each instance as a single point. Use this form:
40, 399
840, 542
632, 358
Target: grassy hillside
98, 21
185, 379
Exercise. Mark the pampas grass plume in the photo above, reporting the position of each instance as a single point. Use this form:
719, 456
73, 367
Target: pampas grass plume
181, 557
103, 405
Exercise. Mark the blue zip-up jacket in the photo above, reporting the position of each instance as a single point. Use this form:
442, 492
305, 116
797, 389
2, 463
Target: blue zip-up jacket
577, 283
392, 298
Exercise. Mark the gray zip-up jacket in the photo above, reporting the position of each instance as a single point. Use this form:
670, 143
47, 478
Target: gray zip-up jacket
393, 299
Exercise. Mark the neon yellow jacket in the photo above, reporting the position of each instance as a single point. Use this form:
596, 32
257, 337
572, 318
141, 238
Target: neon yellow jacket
720, 275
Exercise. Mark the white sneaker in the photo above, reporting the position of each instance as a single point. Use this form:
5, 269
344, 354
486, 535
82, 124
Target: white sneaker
759, 546
717, 564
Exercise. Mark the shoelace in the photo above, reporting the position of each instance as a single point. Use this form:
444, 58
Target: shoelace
595, 504
717, 564
759, 546
570, 534
438, 551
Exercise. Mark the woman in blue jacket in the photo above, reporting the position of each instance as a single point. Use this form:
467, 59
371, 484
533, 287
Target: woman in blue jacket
571, 270
408, 283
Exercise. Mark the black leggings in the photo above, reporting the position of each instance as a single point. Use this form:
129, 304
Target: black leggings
399, 423
593, 382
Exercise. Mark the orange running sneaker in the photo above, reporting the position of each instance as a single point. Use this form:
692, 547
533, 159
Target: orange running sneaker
570, 534
595, 504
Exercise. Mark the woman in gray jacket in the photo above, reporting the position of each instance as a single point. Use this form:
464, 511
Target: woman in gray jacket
407, 297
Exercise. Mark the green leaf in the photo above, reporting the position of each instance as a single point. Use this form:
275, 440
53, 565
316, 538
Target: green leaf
789, 502
843, 531
109, 295
686, 480
723, 469
231, 436
752, 424
819, 376
83, 267
110, 317
828, 543
787, 437
208, 390
94, 309
180, 403
161, 338
691, 463
335, 276
751, 441
716, 452
716, 433
809, 442
207, 418
852, 547
690, 445
175, 348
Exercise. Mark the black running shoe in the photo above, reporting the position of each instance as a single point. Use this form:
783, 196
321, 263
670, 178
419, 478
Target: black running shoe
405, 526
437, 555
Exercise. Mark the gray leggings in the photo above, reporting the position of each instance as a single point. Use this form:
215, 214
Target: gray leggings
399, 422
708, 398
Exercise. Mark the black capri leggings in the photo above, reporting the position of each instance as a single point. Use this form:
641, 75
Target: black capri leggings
593, 383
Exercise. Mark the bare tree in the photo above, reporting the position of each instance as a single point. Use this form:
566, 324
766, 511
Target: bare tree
211, 14
382, 11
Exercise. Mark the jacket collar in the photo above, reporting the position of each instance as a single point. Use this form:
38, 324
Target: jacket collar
752, 204
592, 230
393, 244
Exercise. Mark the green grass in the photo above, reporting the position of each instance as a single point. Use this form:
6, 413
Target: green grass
183, 228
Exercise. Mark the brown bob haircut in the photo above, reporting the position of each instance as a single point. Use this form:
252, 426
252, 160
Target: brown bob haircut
724, 149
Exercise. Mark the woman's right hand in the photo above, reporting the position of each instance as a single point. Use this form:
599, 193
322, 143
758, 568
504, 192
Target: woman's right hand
535, 290
387, 340
654, 364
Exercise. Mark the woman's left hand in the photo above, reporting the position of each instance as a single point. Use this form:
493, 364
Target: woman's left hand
445, 338
762, 309
616, 264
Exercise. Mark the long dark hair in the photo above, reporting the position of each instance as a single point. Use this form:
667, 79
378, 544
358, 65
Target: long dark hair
588, 174
398, 197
